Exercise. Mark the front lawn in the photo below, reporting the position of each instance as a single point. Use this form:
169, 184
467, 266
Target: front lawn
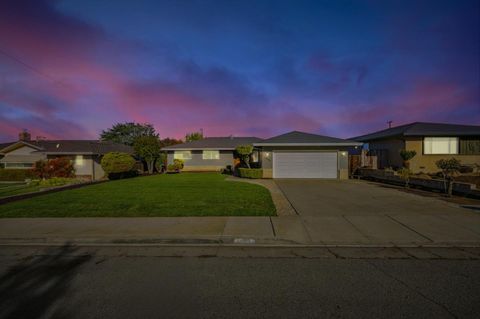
10, 189
186, 194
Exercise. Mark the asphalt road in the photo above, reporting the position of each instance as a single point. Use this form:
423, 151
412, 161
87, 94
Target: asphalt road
59, 283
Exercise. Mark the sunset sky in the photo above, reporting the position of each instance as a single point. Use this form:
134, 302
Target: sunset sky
70, 68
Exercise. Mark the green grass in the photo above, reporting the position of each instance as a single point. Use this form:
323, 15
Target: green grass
186, 194
10, 189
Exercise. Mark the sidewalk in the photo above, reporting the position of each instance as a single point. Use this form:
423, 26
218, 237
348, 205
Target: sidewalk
277, 231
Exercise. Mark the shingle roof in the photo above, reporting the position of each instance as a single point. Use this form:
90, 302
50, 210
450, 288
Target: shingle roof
3, 145
422, 129
78, 146
296, 137
214, 143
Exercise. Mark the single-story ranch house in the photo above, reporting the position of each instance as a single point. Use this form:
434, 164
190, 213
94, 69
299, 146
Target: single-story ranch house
85, 154
291, 155
431, 141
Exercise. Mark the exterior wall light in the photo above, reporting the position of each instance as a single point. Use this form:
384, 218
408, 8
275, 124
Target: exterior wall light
343, 153
267, 155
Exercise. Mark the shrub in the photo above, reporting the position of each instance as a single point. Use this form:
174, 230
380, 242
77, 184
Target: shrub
122, 175
244, 152
116, 162
14, 175
176, 166
405, 174
464, 169
406, 157
449, 168
250, 172
56, 167
57, 181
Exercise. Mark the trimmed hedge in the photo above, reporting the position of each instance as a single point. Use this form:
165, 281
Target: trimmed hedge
15, 175
122, 175
116, 162
250, 172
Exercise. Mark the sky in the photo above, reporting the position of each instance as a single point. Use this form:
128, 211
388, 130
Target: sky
70, 68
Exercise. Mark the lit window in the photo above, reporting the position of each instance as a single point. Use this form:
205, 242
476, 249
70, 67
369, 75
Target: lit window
440, 145
211, 155
79, 160
183, 155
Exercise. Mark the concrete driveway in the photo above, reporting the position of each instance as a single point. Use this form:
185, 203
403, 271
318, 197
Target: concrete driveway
358, 212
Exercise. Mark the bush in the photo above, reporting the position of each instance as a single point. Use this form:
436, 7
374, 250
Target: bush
57, 181
14, 175
122, 175
115, 162
56, 167
250, 172
176, 166
464, 169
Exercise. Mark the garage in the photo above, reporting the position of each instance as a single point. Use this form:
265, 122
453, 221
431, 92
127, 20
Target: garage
305, 164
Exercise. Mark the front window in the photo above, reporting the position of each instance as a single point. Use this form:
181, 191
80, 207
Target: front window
18, 165
183, 155
208, 155
79, 160
440, 145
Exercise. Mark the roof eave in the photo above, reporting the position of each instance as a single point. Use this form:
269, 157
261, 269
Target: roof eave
199, 149
310, 144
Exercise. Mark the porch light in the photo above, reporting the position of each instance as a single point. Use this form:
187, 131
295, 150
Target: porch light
267, 155
343, 153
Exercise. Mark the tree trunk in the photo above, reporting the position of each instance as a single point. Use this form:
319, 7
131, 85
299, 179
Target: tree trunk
247, 161
150, 167
450, 187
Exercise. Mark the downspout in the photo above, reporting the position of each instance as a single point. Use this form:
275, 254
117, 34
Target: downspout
93, 168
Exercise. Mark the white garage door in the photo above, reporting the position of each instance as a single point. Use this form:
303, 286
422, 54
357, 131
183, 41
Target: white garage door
304, 164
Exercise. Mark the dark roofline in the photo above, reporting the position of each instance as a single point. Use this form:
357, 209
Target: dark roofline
197, 145
421, 129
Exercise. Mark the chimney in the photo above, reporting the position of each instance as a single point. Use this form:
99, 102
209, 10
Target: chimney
24, 135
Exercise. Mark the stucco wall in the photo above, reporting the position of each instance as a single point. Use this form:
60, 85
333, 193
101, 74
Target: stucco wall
197, 163
393, 147
426, 162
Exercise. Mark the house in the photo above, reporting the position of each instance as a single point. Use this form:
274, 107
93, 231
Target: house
291, 155
431, 141
85, 154
207, 154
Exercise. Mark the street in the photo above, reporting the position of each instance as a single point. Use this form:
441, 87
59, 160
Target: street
116, 282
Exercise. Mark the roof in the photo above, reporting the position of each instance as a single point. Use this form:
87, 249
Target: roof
72, 146
214, 143
296, 138
3, 145
422, 129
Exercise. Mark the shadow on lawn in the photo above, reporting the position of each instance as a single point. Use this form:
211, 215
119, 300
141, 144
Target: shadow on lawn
30, 288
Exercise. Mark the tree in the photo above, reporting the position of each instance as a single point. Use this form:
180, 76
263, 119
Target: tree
148, 149
406, 157
127, 133
244, 152
194, 136
117, 162
449, 168
169, 142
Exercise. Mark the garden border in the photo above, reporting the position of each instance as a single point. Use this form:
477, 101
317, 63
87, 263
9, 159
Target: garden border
18, 197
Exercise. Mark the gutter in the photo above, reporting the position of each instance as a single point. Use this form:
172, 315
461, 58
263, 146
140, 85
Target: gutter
309, 144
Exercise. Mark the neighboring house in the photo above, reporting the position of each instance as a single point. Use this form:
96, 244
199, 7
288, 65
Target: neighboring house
85, 154
304, 155
431, 141
207, 154
291, 155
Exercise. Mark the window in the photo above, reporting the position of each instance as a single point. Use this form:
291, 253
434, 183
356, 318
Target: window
183, 155
18, 165
440, 145
79, 160
206, 155
469, 146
